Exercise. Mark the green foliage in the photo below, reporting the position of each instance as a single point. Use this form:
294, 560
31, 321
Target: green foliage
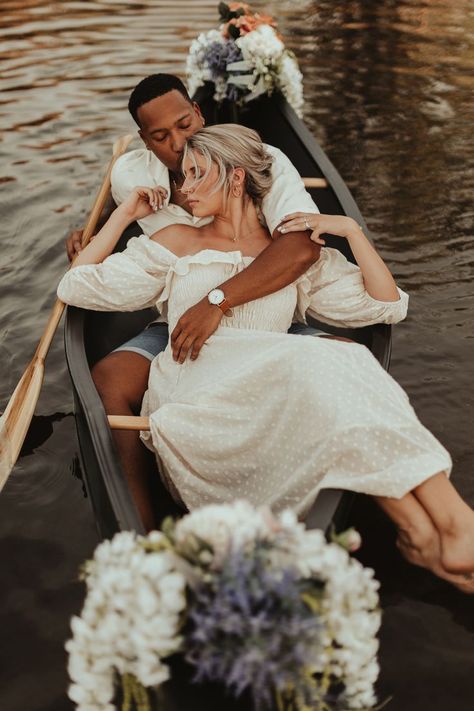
226, 14
233, 31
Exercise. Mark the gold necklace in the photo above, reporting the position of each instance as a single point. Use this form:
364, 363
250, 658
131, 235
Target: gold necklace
236, 239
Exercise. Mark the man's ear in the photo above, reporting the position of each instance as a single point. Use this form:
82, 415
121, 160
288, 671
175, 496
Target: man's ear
140, 133
197, 110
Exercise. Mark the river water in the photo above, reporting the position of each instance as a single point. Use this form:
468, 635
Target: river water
389, 94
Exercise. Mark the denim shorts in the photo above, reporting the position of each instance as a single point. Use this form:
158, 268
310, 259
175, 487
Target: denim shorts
154, 338
149, 342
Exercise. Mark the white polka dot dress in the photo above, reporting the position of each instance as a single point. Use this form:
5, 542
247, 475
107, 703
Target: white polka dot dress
261, 414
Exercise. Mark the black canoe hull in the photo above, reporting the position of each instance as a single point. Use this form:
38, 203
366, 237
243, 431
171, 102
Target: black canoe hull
91, 335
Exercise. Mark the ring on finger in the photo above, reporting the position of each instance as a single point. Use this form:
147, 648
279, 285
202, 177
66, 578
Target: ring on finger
307, 225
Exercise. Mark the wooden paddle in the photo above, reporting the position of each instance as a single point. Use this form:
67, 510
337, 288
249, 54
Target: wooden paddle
15, 421
315, 182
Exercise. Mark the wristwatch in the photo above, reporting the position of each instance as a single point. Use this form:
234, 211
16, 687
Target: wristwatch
216, 297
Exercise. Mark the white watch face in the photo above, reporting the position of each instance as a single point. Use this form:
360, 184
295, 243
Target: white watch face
216, 296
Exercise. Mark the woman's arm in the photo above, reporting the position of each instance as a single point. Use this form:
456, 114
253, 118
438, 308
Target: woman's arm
378, 280
140, 202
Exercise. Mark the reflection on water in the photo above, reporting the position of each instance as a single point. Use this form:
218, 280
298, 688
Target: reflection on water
389, 89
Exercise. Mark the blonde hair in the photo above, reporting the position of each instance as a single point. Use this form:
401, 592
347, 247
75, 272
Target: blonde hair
232, 146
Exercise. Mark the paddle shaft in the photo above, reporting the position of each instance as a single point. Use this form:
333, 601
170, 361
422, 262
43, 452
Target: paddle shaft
58, 308
15, 421
128, 422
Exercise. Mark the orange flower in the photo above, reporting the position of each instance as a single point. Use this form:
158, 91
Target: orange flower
248, 23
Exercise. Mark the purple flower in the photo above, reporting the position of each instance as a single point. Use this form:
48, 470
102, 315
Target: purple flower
218, 55
250, 629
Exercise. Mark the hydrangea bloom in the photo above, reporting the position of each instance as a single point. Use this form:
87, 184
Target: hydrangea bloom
251, 599
244, 66
129, 623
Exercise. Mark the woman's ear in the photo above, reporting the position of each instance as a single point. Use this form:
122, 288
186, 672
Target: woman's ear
238, 176
237, 182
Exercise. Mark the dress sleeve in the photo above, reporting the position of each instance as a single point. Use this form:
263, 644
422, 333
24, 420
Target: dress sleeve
287, 194
333, 291
131, 280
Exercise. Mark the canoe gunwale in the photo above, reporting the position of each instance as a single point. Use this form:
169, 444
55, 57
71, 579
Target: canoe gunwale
122, 514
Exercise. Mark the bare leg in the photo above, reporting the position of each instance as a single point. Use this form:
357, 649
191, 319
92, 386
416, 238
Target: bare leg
454, 521
121, 379
418, 539
436, 530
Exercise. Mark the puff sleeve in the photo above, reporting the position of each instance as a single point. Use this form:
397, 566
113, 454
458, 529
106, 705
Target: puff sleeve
130, 280
333, 291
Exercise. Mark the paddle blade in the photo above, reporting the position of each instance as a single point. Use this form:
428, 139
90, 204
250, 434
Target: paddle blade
15, 421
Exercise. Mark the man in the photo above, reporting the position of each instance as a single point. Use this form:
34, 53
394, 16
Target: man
166, 117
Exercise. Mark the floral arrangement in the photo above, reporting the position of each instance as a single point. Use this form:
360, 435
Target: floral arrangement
252, 600
246, 57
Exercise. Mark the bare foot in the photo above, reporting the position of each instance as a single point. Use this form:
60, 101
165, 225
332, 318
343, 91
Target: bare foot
457, 545
432, 561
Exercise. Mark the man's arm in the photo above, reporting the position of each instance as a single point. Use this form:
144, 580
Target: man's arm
277, 266
280, 264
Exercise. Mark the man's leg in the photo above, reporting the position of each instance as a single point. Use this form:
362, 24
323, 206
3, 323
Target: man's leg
121, 379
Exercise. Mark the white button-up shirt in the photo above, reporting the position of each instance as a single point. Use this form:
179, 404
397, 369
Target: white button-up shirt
142, 168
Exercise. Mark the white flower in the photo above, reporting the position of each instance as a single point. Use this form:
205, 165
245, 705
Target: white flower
136, 596
290, 81
222, 527
261, 46
271, 66
130, 620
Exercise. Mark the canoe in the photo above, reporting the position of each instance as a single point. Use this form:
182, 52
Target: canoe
90, 335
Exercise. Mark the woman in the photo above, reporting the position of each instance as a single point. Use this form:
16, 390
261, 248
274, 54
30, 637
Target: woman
262, 414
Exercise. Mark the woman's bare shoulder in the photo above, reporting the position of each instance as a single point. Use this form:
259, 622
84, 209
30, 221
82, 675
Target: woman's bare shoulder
179, 239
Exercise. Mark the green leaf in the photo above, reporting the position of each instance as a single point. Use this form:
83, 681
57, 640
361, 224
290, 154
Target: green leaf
233, 31
168, 527
224, 11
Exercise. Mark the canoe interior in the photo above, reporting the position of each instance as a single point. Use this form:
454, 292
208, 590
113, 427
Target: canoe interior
91, 335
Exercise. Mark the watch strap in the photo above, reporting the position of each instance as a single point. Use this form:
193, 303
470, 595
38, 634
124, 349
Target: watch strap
225, 307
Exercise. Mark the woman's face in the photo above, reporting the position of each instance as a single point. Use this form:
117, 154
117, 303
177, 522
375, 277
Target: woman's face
201, 198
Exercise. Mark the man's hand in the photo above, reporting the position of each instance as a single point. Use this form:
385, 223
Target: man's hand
74, 241
73, 244
193, 329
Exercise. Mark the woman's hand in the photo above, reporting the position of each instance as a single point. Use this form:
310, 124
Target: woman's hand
338, 225
143, 202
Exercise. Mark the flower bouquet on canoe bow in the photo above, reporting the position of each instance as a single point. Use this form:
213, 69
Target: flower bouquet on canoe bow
244, 58
249, 599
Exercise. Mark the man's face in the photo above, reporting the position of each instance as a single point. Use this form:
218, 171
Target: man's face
166, 123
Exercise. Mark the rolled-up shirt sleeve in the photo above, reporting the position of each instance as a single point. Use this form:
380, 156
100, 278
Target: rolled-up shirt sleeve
141, 168
333, 291
288, 193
